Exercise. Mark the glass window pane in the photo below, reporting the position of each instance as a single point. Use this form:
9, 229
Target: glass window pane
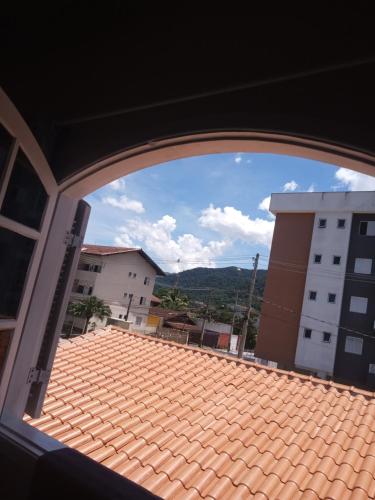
5, 143
5, 337
26, 198
15, 256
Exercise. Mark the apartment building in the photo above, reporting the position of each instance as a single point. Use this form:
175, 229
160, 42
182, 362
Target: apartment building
123, 277
319, 309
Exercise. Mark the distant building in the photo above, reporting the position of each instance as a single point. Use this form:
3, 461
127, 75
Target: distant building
123, 277
319, 303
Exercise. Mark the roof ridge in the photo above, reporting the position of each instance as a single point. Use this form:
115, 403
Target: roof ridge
329, 384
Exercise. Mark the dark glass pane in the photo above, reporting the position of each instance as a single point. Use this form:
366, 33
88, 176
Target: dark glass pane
5, 338
26, 198
5, 143
15, 255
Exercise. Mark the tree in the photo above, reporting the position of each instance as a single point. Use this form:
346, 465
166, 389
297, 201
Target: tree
173, 300
87, 308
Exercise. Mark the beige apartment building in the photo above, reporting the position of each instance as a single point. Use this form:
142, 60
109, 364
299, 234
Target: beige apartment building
123, 277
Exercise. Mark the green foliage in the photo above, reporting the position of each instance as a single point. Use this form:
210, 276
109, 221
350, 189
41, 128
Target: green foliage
87, 308
172, 299
223, 282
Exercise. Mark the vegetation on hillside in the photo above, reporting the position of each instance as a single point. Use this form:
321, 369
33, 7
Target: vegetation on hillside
217, 287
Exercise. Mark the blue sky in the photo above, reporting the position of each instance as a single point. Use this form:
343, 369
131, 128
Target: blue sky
205, 211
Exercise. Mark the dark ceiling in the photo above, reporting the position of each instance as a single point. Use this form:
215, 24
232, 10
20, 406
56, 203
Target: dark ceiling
94, 80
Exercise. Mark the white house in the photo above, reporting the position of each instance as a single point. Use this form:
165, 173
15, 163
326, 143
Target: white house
123, 277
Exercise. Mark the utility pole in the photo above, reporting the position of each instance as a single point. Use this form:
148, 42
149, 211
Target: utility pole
233, 319
128, 310
204, 320
247, 317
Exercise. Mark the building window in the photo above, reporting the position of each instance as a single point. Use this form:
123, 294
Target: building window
336, 260
120, 316
322, 223
80, 289
125, 295
331, 298
341, 223
353, 345
307, 333
326, 337
146, 281
367, 228
312, 295
130, 274
142, 300
317, 258
358, 305
134, 275
89, 291
363, 266
130, 296
138, 320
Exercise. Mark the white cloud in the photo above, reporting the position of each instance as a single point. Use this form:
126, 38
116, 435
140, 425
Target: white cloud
311, 188
354, 181
265, 206
290, 186
238, 158
117, 185
124, 203
157, 238
232, 224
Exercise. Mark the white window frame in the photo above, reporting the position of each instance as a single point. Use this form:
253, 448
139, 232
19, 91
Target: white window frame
356, 304
353, 340
318, 255
28, 329
362, 265
316, 295
320, 223
335, 297
338, 222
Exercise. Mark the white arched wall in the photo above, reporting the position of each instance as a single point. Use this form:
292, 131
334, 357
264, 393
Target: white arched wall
159, 151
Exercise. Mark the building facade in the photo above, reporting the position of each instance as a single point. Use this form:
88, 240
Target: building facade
123, 277
319, 304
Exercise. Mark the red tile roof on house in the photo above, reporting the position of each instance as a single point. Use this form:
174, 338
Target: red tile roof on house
183, 326
188, 424
105, 250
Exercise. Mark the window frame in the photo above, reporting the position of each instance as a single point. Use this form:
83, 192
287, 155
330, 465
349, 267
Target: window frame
307, 333
315, 297
331, 294
341, 226
42, 170
328, 341
319, 255
336, 257
322, 223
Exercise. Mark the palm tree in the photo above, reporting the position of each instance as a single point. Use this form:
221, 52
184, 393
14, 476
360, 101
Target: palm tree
87, 308
173, 300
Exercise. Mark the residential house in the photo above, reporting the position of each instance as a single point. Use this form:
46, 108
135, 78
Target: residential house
123, 277
318, 312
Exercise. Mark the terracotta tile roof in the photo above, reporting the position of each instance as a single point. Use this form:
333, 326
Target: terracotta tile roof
109, 250
105, 250
170, 314
187, 423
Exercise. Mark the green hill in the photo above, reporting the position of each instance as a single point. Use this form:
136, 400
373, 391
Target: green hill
221, 282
